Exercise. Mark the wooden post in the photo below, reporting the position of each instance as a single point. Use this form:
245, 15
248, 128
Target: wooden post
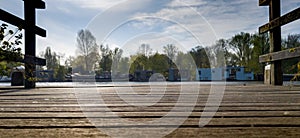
29, 11
30, 31
275, 43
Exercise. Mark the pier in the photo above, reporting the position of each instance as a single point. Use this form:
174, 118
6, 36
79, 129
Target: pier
253, 110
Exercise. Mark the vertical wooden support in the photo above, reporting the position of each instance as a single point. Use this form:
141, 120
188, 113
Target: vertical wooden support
30, 31
275, 43
29, 11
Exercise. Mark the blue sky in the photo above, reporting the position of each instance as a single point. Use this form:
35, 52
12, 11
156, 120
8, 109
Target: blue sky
129, 23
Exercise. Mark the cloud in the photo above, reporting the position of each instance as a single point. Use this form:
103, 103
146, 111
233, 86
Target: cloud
94, 4
186, 3
180, 19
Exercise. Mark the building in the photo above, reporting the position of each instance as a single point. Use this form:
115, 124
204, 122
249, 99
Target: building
224, 73
178, 75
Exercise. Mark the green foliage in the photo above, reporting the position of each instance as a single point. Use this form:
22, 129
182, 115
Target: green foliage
8, 42
106, 58
241, 46
290, 66
60, 73
124, 65
3, 69
51, 58
139, 62
242, 49
159, 63
261, 46
200, 57
170, 50
116, 58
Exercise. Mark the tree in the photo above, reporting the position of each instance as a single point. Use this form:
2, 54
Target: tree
292, 40
200, 57
159, 63
170, 50
116, 57
139, 62
88, 48
261, 46
106, 58
8, 42
241, 46
290, 66
184, 61
124, 65
60, 73
145, 50
51, 61
77, 64
218, 54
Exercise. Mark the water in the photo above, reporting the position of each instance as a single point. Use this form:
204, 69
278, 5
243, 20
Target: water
99, 84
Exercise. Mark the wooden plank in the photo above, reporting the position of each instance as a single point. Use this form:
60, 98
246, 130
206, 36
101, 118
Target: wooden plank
115, 122
278, 117
264, 2
14, 20
281, 55
280, 21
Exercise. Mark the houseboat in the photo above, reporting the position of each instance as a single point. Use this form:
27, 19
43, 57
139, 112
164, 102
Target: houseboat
179, 75
232, 73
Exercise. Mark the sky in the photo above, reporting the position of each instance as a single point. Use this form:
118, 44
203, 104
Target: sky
130, 23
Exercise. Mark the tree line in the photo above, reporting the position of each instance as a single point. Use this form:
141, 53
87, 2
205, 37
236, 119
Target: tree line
242, 49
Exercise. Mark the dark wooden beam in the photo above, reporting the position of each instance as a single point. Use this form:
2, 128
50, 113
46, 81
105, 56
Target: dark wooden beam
280, 21
281, 55
32, 59
275, 43
38, 4
264, 2
14, 20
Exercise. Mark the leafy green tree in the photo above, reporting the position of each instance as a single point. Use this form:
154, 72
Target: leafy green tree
139, 62
60, 73
241, 46
106, 58
8, 42
261, 46
159, 63
77, 64
200, 57
52, 62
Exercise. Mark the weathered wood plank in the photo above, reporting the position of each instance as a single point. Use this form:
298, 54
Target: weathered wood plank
280, 21
279, 132
264, 2
115, 122
55, 113
146, 114
281, 55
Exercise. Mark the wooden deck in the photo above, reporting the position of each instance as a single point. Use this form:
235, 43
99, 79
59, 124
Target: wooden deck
246, 111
